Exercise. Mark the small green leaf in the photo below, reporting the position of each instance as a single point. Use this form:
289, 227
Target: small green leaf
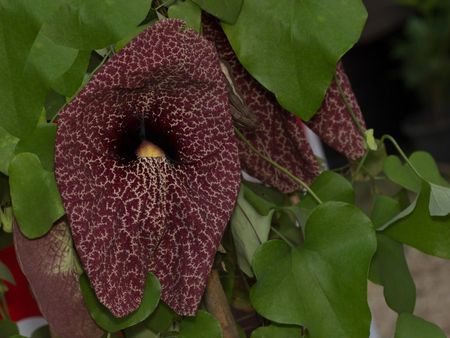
69, 82
41, 143
187, 11
7, 329
384, 209
42, 332
203, 325
324, 278
370, 140
292, 47
393, 273
404, 176
88, 24
277, 331
35, 198
410, 326
226, 10
106, 320
328, 186
7, 145
161, 319
5, 274
249, 230
430, 234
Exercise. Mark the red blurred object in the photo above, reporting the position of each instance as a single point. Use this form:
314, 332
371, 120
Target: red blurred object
20, 300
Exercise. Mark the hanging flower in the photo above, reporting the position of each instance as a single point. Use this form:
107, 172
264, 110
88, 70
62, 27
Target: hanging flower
148, 170
279, 134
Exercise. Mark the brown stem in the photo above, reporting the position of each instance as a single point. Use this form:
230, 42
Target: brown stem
217, 305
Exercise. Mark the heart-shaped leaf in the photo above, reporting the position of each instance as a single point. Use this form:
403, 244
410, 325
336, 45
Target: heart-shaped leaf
187, 11
326, 278
106, 320
430, 234
410, 326
249, 230
78, 23
292, 48
226, 10
203, 325
35, 198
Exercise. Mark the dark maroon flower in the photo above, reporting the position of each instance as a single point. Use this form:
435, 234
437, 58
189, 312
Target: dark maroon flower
163, 96
50, 267
277, 134
333, 122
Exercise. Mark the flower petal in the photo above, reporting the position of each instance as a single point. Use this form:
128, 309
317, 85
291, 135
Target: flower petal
50, 267
334, 124
278, 135
132, 215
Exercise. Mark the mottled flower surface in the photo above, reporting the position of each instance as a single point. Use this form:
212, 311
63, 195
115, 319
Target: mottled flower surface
333, 122
132, 214
277, 133
49, 263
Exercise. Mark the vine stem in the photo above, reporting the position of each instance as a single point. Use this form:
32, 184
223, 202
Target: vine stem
278, 166
401, 152
350, 110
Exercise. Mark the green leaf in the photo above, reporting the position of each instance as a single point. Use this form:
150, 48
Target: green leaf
139, 331
7, 145
53, 103
404, 176
393, 273
276, 331
370, 140
7, 328
50, 60
41, 143
187, 11
35, 198
430, 234
203, 325
106, 320
21, 93
325, 278
384, 209
439, 200
161, 319
292, 47
263, 198
5, 274
91, 24
225, 10
328, 186
42, 332
69, 83
249, 230
410, 326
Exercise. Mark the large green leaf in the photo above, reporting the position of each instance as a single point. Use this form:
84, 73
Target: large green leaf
390, 265
187, 11
106, 320
292, 47
225, 10
92, 24
35, 198
275, 331
42, 143
430, 234
21, 93
249, 230
7, 145
410, 326
203, 325
323, 284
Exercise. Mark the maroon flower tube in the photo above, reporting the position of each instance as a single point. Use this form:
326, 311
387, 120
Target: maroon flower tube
148, 170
